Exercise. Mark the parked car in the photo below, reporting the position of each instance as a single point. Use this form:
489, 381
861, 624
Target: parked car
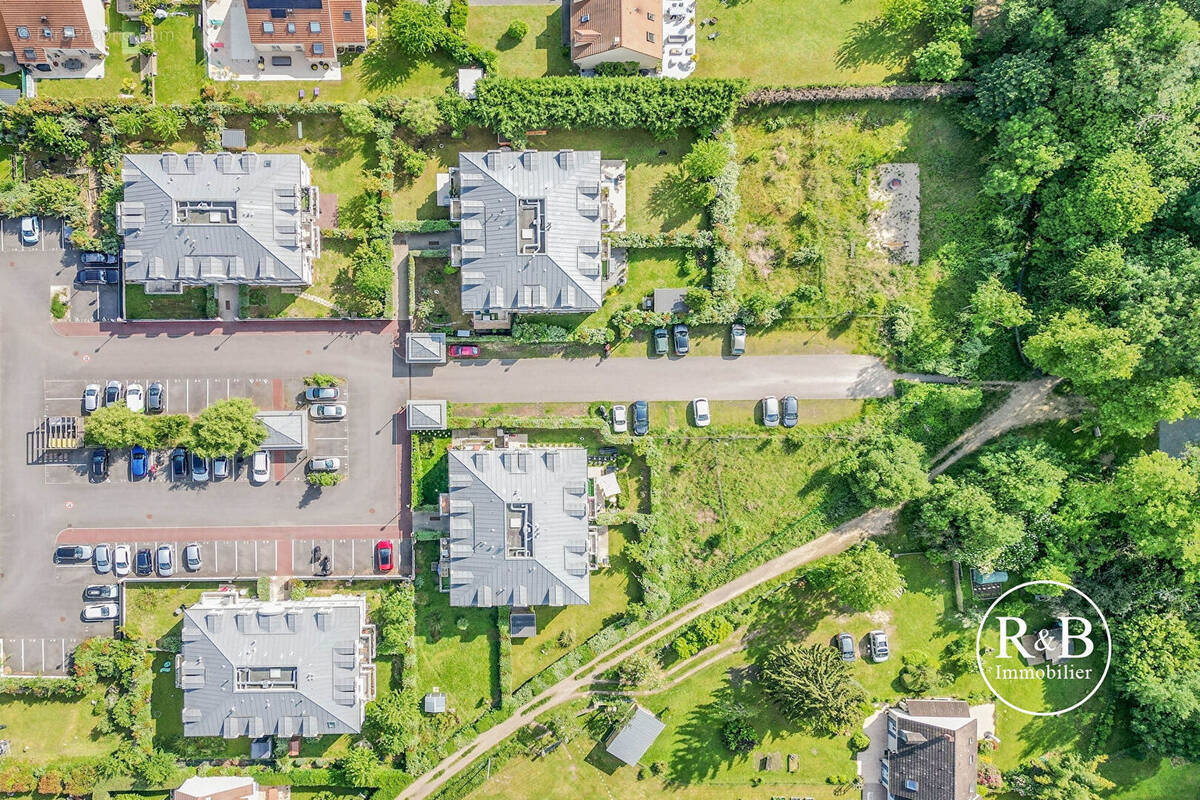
101, 591
700, 412
102, 559
96, 276
112, 392
791, 411
877, 646
220, 468
143, 565
681, 339
191, 557
165, 561
121, 560
324, 464
72, 554
323, 411
620, 419
178, 462
139, 460
199, 468
156, 397
846, 646
97, 258
99, 612
315, 394
91, 398
99, 464
31, 230
135, 398
641, 418
737, 339
383, 555
770, 411
260, 467
464, 351
662, 341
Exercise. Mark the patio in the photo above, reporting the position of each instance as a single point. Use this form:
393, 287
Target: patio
232, 57
679, 38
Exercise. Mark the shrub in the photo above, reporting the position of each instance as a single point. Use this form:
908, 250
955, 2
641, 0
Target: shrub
517, 31
859, 741
918, 675
322, 379
738, 734
462, 623
297, 589
58, 309
324, 478
458, 14
262, 588
939, 61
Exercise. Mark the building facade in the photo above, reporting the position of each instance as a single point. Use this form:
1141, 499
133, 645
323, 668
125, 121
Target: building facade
930, 751
53, 38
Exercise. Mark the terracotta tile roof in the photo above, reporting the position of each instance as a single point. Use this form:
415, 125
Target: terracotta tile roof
615, 23
334, 30
28, 14
353, 30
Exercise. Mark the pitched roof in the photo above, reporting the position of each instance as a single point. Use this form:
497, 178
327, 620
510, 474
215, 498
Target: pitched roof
931, 748
425, 348
59, 15
426, 415
255, 668
306, 24
286, 430
206, 218
615, 23
518, 531
633, 740
530, 230
223, 786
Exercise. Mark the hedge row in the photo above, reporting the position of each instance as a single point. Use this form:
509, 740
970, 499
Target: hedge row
693, 239
423, 225
824, 94
504, 623
595, 644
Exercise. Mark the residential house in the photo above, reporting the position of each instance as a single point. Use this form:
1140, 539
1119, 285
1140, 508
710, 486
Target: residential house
218, 218
294, 668
228, 787
281, 39
518, 531
631, 741
930, 751
618, 31
530, 226
53, 38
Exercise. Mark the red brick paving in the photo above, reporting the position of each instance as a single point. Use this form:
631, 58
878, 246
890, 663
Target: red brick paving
280, 468
283, 558
277, 395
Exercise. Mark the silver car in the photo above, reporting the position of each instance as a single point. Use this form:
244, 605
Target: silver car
315, 394
323, 411
166, 561
770, 411
737, 339
91, 398
324, 464
191, 557
99, 612
620, 419
102, 559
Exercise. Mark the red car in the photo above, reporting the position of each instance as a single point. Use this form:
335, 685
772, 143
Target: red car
464, 351
383, 555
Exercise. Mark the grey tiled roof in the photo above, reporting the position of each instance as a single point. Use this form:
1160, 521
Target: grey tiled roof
932, 750
272, 238
286, 430
533, 496
311, 661
635, 738
565, 274
425, 348
426, 415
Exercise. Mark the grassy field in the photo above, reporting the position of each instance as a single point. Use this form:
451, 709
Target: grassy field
539, 53
181, 63
46, 730
786, 43
653, 203
122, 65
805, 185
191, 304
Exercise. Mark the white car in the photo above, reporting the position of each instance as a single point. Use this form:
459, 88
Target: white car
770, 411
620, 419
327, 411
877, 646
31, 230
700, 412
135, 398
324, 464
121, 560
91, 398
102, 558
260, 467
98, 612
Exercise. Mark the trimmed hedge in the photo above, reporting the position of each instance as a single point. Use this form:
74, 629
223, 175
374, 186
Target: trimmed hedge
504, 623
695, 239
423, 225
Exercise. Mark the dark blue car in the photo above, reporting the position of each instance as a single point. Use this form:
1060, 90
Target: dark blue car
137, 461
143, 565
641, 418
178, 462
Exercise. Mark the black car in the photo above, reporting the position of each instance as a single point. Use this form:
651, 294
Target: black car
72, 553
662, 341
96, 258
682, 344
155, 396
98, 276
791, 411
178, 462
99, 467
641, 418
143, 564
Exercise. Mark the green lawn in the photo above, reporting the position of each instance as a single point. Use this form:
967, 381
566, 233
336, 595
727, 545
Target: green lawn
430, 467
735, 416
539, 53
612, 590
181, 63
53, 729
789, 43
1151, 778
191, 304
653, 202
331, 281
121, 66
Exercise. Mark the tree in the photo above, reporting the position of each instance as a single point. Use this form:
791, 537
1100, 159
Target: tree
1159, 498
170, 430
813, 686
640, 670
358, 119
422, 116
49, 135
885, 469
391, 722
1135, 408
863, 578
1029, 149
1113, 198
940, 60
414, 29
1072, 345
918, 675
358, 766
993, 305
737, 731
1059, 776
165, 122
228, 427
116, 427
517, 31
129, 123
1024, 478
1160, 658
564, 723
371, 268
960, 522
706, 159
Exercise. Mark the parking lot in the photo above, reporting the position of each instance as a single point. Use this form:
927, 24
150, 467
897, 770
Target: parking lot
51, 239
190, 395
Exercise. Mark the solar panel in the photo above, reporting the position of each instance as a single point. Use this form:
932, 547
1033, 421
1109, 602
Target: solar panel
277, 13
283, 5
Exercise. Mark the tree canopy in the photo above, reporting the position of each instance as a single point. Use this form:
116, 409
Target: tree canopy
813, 686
